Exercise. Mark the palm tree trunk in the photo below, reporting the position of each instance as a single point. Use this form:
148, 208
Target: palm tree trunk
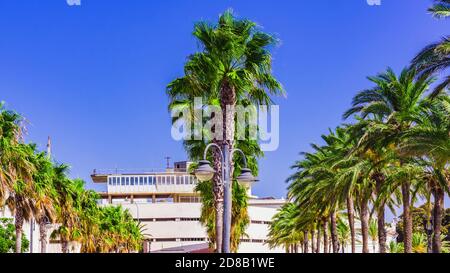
379, 179
19, 229
305, 242
381, 229
227, 104
365, 224
43, 234
318, 238
407, 218
218, 200
334, 237
325, 236
437, 223
429, 217
64, 246
351, 222
313, 241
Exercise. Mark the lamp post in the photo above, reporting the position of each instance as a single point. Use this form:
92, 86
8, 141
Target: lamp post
205, 172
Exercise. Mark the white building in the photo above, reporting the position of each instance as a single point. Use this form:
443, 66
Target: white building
168, 206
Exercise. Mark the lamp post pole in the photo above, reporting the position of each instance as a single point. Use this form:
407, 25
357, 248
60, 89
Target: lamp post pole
205, 173
227, 202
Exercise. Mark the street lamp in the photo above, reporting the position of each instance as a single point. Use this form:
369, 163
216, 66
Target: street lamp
205, 172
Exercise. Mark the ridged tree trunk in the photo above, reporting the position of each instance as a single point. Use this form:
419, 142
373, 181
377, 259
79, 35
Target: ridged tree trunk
438, 211
365, 224
43, 234
227, 104
19, 229
379, 180
407, 217
334, 237
325, 235
313, 241
218, 200
318, 238
351, 222
305, 242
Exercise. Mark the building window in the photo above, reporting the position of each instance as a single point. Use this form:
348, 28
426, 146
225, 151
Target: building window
141, 181
123, 181
127, 181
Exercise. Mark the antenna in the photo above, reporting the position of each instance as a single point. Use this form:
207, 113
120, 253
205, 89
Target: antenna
49, 147
168, 161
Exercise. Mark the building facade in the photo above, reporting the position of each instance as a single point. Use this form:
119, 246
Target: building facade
168, 206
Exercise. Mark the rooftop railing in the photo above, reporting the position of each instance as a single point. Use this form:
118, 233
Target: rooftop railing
132, 171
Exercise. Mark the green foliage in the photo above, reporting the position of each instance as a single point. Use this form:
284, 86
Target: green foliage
395, 247
418, 216
343, 232
440, 9
283, 231
40, 189
8, 237
240, 217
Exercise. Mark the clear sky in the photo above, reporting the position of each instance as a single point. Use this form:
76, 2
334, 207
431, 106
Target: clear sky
93, 77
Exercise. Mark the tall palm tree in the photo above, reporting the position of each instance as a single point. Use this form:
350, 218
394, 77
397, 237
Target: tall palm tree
11, 128
45, 196
21, 200
234, 63
396, 100
66, 204
430, 139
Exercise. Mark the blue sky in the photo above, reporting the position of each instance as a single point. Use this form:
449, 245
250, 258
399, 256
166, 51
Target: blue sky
93, 77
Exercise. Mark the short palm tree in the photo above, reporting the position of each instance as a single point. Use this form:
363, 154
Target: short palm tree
343, 231
283, 231
373, 233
